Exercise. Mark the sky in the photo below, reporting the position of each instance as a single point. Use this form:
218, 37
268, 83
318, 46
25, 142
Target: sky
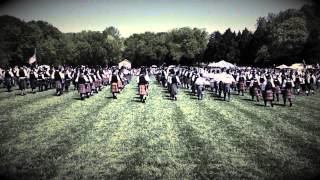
138, 16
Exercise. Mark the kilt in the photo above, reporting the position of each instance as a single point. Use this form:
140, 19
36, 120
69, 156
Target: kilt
288, 93
22, 83
8, 82
233, 85
269, 95
82, 88
227, 89
97, 83
105, 81
88, 88
241, 86
142, 89
58, 85
93, 86
114, 88
120, 85
277, 90
33, 83
174, 89
254, 91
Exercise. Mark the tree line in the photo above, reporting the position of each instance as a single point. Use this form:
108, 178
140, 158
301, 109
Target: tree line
287, 37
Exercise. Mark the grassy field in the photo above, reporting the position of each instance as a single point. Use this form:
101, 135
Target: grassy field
48, 137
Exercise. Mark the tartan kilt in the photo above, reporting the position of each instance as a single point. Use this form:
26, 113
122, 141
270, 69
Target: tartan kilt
97, 83
120, 85
174, 89
142, 89
233, 85
93, 86
288, 93
254, 91
22, 83
88, 89
58, 85
8, 81
82, 88
114, 88
277, 90
105, 81
269, 95
241, 86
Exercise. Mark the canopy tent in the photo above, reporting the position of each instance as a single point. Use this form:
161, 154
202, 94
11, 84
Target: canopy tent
297, 66
310, 67
125, 63
283, 66
221, 64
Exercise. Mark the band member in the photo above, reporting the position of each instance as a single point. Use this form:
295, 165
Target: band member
277, 88
241, 84
114, 84
22, 74
143, 86
287, 95
67, 80
8, 78
199, 83
88, 84
255, 89
93, 83
33, 80
81, 80
40, 80
58, 78
268, 91
174, 83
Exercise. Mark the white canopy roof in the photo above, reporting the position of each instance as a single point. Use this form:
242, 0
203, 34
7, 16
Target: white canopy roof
283, 66
221, 64
297, 66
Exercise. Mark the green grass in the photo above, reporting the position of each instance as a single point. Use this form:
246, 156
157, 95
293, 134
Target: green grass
47, 137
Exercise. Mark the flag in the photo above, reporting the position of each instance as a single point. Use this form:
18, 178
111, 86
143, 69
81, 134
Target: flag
33, 58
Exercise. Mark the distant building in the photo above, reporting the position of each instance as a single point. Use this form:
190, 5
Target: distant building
125, 63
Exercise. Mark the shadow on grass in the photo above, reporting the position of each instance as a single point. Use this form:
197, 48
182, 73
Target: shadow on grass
246, 99
262, 105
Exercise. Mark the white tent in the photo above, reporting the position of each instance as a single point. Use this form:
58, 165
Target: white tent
297, 66
221, 64
125, 63
283, 66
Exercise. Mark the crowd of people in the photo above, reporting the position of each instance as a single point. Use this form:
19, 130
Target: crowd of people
87, 80
268, 84
262, 84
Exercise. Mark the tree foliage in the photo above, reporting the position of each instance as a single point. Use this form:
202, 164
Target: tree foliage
287, 37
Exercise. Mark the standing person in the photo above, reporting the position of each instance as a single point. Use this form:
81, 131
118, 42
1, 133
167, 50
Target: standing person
255, 89
277, 88
114, 84
58, 78
22, 74
33, 80
67, 80
40, 80
175, 82
241, 84
269, 91
199, 85
81, 81
287, 95
143, 85
8, 76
